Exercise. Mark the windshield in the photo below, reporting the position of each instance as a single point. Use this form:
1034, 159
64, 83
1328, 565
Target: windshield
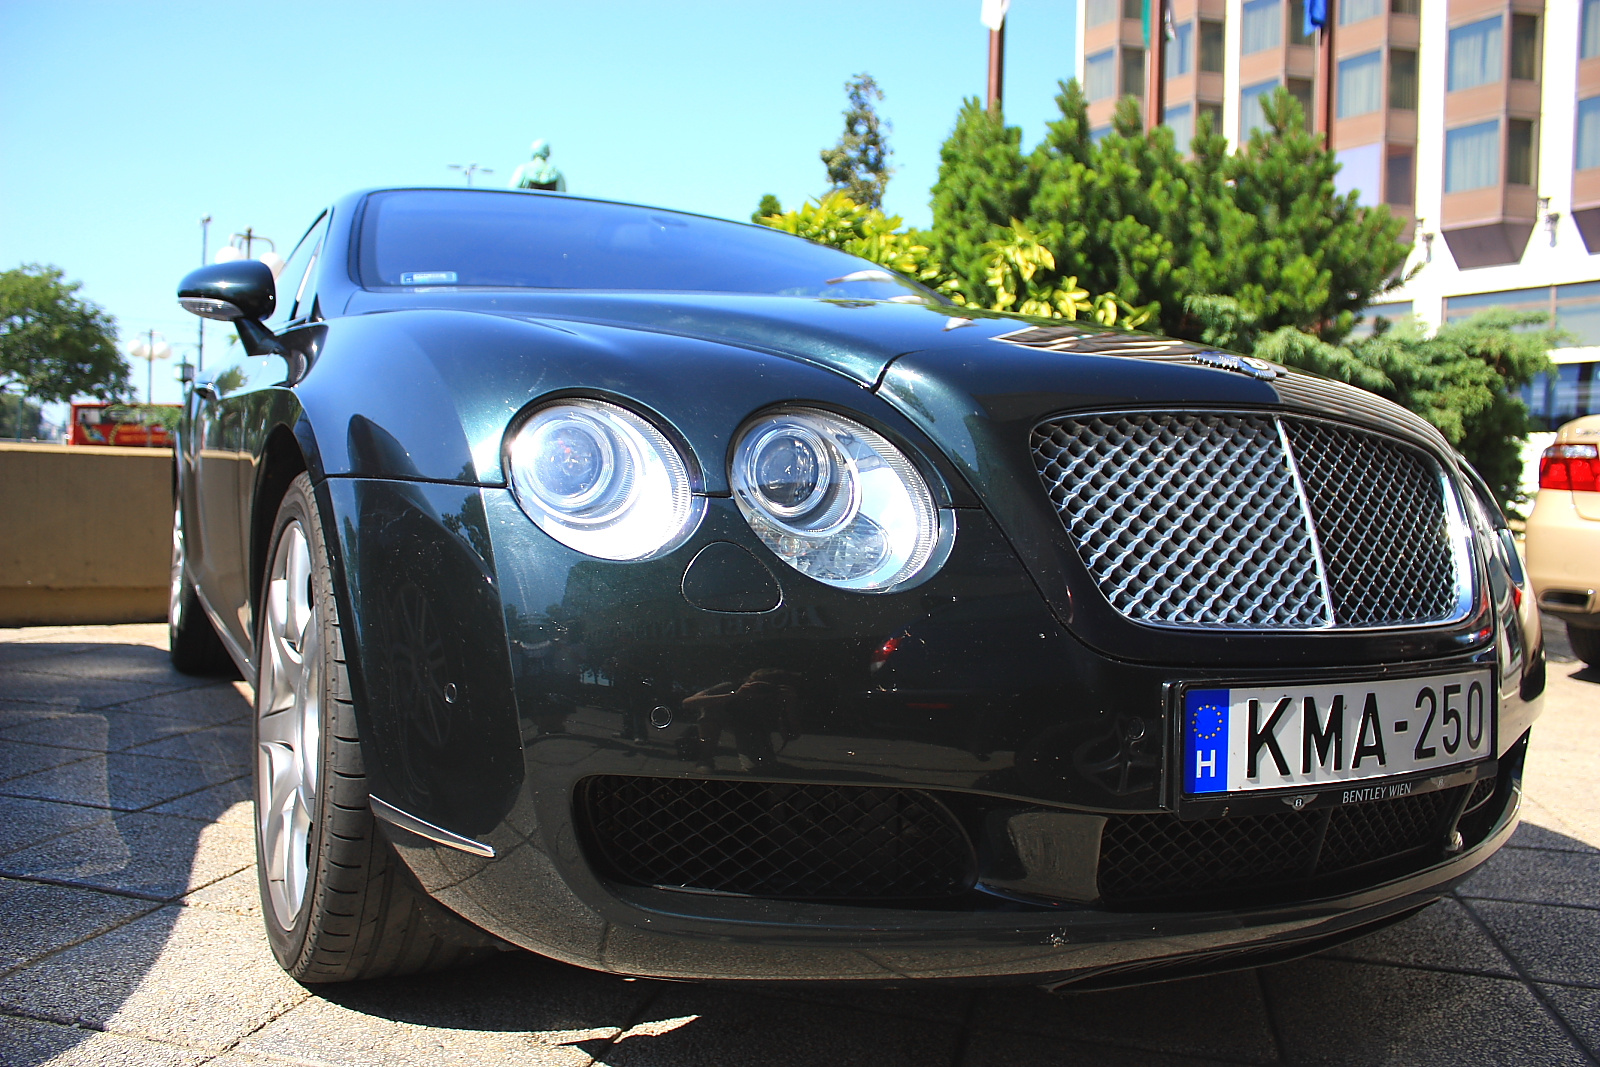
432, 238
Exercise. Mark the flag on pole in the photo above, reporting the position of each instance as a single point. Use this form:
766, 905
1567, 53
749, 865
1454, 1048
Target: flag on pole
1316, 16
994, 13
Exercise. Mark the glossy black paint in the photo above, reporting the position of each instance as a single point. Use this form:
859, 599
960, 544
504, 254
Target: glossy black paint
493, 668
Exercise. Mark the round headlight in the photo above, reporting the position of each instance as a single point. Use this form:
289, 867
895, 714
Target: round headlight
602, 480
834, 500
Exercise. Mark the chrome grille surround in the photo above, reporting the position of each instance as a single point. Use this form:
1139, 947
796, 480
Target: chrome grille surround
1257, 521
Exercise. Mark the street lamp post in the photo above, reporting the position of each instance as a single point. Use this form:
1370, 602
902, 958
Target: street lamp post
243, 246
200, 347
150, 350
469, 169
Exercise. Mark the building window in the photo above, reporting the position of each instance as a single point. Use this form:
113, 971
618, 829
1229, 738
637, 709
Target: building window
1251, 115
1472, 157
1180, 50
1525, 47
1300, 89
1133, 9
1399, 182
1406, 7
1211, 111
1589, 37
1180, 120
1588, 134
1360, 85
1571, 390
1262, 27
1394, 313
1100, 75
1476, 54
1100, 12
1403, 79
1133, 72
1099, 133
1578, 312
1460, 308
1212, 46
1519, 152
1359, 10
1297, 24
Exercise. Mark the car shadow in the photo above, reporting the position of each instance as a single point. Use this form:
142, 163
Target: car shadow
133, 902
121, 783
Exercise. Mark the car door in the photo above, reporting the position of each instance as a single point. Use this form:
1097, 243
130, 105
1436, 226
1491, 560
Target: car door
228, 436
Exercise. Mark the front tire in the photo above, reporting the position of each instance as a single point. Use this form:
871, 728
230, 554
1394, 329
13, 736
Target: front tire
337, 902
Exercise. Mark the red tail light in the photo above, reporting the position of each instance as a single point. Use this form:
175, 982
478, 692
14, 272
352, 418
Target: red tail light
1570, 467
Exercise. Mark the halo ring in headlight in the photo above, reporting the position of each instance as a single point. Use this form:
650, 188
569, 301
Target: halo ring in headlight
601, 479
836, 501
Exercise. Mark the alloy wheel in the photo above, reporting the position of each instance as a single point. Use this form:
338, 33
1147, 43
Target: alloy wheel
289, 724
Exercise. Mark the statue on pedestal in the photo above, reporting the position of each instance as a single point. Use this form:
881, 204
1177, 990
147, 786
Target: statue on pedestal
539, 172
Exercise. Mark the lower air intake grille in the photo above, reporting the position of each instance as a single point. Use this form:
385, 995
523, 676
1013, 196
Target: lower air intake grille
1150, 858
772, 840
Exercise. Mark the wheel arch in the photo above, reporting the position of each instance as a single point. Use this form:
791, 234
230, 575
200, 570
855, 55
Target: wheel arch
281, 461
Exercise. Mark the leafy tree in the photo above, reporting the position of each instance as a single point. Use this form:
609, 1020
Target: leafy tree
1013, 264
54, 346
859, 164
769, 206
984, 183
18, 418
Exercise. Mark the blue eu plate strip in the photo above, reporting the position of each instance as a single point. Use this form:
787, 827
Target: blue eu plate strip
1205, 741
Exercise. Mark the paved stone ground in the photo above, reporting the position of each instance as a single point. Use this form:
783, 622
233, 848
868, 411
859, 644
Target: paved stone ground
130, 933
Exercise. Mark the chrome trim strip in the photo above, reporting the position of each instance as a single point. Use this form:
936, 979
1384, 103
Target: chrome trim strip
1311, 525
422, 828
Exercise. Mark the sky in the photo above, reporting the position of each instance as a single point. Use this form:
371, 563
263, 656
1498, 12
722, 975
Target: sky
122, 124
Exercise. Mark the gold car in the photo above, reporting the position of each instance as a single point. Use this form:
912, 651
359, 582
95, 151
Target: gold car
1564, 534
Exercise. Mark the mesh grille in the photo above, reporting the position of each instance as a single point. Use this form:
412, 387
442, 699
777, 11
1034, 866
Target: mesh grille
1146, 858
1380, 517
1202, 520
773, 840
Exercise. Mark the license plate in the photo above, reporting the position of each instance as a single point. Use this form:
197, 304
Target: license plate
1277, 737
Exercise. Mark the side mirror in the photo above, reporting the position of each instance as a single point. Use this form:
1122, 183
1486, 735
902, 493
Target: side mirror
242, 292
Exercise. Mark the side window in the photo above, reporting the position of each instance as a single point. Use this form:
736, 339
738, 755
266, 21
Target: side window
294, 288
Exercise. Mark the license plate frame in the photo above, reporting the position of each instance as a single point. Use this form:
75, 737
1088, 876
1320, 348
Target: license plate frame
1468, 763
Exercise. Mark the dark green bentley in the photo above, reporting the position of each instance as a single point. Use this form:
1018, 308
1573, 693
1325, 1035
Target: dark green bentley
676, 597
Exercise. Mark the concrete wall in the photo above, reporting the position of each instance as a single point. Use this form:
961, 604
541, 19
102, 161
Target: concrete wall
85, 534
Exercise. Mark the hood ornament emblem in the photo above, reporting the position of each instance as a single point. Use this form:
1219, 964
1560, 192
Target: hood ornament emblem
1259, 369
1300, 801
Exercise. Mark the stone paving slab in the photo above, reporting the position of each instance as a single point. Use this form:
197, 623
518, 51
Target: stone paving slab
1336, 1012
186, 976
119, 780
130, 932
155, 857
41, 919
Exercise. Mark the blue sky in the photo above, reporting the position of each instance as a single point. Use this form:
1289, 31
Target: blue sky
121, 124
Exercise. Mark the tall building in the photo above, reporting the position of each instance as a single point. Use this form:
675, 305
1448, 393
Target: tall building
1477, 121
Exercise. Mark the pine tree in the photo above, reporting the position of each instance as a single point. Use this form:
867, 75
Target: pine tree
858, 165
984, 183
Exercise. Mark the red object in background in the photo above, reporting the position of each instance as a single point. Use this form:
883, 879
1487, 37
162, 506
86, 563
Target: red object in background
94, 424
1575, 467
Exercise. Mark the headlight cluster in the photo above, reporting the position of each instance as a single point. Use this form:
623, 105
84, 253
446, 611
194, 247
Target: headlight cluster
602, 480
834, 500
831, 498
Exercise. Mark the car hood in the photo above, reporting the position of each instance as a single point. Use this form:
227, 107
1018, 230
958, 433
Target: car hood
856, 338
967, 378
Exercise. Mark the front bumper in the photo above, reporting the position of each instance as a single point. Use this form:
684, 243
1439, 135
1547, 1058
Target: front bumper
564, 668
